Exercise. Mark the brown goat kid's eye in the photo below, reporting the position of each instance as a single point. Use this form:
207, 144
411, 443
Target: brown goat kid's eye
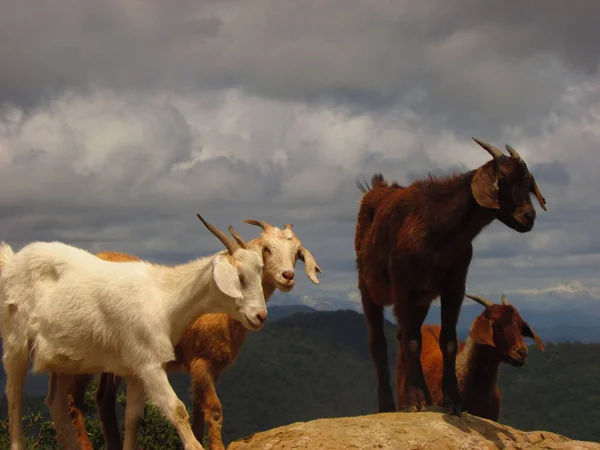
266, 250
242, 282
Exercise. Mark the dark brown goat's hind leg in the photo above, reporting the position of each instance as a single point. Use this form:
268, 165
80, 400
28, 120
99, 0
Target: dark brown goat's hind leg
378, 348
106, 402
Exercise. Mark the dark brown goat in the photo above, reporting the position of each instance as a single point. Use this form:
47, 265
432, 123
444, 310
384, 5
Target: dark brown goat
496, 336
414, 244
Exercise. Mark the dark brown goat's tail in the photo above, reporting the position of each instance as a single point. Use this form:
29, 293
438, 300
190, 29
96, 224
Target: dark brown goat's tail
377, 180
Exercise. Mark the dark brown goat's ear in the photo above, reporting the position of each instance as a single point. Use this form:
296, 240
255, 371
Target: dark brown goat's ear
527, 331
538, 194
482, 332
484, 186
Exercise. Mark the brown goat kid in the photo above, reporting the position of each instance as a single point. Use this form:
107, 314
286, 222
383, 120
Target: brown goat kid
414, 244
209, 346
496, 336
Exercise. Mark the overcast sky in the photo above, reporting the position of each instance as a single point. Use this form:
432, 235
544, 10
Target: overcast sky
118, 123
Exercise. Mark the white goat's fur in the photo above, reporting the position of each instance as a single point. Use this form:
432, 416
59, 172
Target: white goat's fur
79, 314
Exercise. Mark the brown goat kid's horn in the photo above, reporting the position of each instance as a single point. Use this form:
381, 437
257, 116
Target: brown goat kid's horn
504, 300
231, 246
482, 301
289, 226
495, 152
259, 223
513, 152
239, 239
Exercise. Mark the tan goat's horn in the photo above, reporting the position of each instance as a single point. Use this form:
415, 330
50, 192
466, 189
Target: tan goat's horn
231, 246
482, 301
504, 300
239, 239
259, 223
495, 152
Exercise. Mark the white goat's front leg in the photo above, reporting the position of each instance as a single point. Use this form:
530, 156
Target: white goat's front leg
162, 394
134, 412
15, 362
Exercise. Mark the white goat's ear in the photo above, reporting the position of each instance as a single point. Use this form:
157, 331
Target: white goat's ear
226, 277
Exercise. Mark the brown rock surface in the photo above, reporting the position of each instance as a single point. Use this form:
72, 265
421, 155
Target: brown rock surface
405, 431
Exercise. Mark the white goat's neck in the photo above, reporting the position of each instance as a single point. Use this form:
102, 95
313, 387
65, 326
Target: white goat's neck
187, 293
477, 367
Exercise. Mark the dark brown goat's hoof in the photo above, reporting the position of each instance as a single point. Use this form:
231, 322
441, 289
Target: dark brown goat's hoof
457, 411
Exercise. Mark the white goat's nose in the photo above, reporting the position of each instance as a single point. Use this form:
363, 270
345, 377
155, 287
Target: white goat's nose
288, 275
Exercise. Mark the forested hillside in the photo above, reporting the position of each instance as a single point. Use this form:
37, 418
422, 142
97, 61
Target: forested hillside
313, 365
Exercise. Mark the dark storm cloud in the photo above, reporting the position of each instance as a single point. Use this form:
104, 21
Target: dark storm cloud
474, 64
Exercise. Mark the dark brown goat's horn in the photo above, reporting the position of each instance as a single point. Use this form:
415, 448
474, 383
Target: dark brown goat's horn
231, 246
482, 301
495, 152
259, 223
513, 152
504, 300
239, 239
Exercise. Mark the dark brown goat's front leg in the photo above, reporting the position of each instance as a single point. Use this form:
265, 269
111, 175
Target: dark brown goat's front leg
451, 300
106, 402
411, 315
378, 348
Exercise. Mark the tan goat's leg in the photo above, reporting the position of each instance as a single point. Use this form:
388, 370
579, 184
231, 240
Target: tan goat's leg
59, 386
207, 407
15, 366
134, 412
162, 394
76, 405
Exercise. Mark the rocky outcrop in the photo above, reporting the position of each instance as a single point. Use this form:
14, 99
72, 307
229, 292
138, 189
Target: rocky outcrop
405, 431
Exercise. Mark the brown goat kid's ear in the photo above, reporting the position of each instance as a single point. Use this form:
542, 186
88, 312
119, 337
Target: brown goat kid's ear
527, 331
482, 332
484, 186
310, 265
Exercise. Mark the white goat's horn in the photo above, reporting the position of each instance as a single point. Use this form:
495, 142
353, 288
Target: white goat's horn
231, 246
239, 239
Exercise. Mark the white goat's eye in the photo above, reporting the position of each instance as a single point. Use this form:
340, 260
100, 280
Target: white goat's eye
266, 250
243, 282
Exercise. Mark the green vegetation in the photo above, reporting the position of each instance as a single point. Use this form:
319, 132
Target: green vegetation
313, 365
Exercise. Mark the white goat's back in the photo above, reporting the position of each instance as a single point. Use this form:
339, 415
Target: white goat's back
72, 312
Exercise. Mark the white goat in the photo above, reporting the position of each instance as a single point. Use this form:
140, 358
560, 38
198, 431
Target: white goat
79, 314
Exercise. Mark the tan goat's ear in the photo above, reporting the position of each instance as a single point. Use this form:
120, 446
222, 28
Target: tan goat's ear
484, 186
310, 265
527, 331
482, 332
